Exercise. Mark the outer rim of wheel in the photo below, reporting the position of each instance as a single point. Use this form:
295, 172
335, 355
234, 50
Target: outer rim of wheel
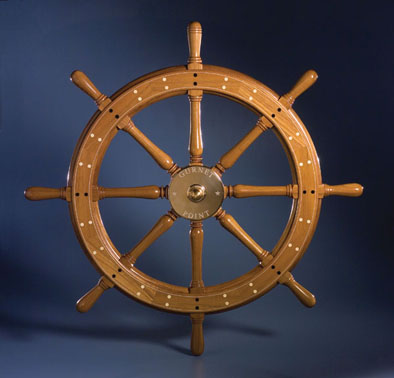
240, 88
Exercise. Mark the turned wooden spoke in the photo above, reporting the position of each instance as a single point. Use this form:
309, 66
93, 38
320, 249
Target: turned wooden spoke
162, 159
148, 192
303, 295
86, 302
162, 225
231, 156
39, 193
195, 138
196, 240
86, 85
347, 190
231, 225
246, 191
304, 82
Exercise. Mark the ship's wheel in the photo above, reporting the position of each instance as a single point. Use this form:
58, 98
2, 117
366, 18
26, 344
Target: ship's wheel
195, 192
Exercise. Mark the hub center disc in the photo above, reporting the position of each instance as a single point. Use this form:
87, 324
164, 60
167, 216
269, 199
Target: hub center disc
196, 193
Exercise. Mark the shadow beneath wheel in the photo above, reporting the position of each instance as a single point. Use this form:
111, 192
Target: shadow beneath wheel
16, 327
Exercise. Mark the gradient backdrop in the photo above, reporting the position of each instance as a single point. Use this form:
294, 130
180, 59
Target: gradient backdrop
348, 112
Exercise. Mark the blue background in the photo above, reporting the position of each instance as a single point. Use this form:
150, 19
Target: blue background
348, 113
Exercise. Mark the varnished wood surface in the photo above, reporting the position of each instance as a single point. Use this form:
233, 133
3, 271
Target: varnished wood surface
196, 242
86, 302
273, 112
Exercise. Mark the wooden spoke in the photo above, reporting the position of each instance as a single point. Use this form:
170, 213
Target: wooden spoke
86, 302
246, 191
148, 192
304, 82
303, 295
162, 225
197, 339
231, 156
38, 193
195, 138
231, 225
162, 159
347, 190
194, 37
86, 85
196, 240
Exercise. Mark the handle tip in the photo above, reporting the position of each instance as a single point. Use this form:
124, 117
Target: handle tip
194, 26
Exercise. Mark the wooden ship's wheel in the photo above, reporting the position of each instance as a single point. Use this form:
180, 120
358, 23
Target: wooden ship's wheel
195, 192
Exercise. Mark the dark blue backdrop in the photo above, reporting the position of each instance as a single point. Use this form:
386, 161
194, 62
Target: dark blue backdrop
348, 113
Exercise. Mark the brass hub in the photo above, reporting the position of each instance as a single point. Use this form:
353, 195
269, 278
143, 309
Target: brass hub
196, 193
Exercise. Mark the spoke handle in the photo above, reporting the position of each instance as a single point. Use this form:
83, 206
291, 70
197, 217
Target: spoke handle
194, 37
303, 295
197, 338
347, 190
86, 302
39, 193
86, 85
304, 82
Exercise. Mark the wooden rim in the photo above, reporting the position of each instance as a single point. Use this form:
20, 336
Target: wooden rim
104, 125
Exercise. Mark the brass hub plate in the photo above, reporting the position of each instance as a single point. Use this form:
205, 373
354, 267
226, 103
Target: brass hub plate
196, 193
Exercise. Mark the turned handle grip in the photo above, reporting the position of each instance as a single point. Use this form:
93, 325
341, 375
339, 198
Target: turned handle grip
194, 36
86, 85
38, 193
85, 303
303, 83
347, 190
303, 295
197, 338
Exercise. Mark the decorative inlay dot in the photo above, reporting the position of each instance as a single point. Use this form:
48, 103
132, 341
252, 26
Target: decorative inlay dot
164, 79
139, 98
167, 304
255, 291
224, 295
138, 293
290, 245
226, 303
135, 91
297, 249
166, 87
250, 98
301, 164
226, 79
90, 222
82, 224
101, 248
254, 90
142, 286
309, 162
290, 138
169, 296
308, 221
99, 139
92, 135
80, 164
301, 219
89, 165
223, 87
94, 253
250, 284
297, 133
